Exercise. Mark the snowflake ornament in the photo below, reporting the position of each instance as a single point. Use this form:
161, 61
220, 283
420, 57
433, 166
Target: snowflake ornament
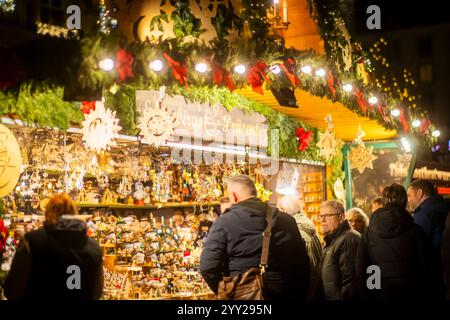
100, 128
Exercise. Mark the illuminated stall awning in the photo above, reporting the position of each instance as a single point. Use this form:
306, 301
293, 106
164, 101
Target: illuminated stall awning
312, 110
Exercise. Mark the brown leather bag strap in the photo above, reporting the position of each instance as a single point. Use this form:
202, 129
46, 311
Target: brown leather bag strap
266, 238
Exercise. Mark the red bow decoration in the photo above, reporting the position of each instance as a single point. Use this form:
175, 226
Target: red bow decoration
3, 235
222, 76
304, 138
404, 121
179, 71
330, 82
288, 68
361, 101
424, 126
257, 76
124, 64
87, 106
186, 253
382, 112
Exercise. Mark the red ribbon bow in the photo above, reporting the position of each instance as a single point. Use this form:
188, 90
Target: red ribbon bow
382, 112
124, 64
288, 67
87, 106
304, 138
222, 76
424, 126
179, 71
257, 76
404, 121
330, 82
361, 101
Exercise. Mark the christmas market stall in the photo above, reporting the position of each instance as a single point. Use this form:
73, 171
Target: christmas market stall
142, 117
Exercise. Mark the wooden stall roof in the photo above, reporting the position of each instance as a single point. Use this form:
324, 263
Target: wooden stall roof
302, 34
312, 110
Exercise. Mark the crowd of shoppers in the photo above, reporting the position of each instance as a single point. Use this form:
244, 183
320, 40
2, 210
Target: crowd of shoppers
396, 254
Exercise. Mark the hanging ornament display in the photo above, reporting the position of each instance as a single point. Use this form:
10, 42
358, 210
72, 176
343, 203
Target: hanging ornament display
361, 157
157, 123
7, 5
328, 144
100, 128
304, 138
105, 21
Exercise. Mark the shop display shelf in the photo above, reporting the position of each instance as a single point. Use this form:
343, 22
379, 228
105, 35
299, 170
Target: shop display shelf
153, 206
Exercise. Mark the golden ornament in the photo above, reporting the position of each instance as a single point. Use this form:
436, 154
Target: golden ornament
361, 158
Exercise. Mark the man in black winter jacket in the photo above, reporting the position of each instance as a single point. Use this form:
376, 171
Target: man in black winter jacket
397, 246
338, 262
58, 261
234, 245
430, 212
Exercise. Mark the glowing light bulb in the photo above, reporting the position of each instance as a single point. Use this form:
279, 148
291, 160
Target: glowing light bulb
347, 87
436, 133
373, 100
395, 113
306, 69
106, 64
320, 73
156, 65
201, 67
275, 69
416, 123
240, 68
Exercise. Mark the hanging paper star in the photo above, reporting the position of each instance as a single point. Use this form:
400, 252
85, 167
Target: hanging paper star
328, 143
361, 158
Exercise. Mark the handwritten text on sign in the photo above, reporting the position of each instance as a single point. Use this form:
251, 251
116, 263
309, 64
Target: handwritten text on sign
209, 122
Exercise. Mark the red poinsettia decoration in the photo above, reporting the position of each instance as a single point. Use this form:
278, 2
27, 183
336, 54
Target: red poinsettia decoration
257, 75
87, 106
304, 138
124, 64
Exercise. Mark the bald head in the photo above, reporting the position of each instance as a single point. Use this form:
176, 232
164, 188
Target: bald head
241, 188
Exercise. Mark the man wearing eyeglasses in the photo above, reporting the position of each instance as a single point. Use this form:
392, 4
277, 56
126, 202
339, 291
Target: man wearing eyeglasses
339, 253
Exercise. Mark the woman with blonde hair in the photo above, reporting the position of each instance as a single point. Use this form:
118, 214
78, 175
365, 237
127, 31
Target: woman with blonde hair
57, 261
292, 205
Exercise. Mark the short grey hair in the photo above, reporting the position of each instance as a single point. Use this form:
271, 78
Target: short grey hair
245, 182
359, 213
337, 206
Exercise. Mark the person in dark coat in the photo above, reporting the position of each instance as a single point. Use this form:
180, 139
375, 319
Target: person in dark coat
395, 244
446, 256
338, 261
291, 204
234, 245
430, 212
58, 261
